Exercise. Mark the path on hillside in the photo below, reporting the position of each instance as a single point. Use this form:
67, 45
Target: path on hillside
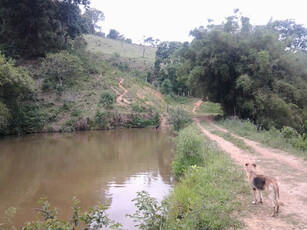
290, 171
120, 96
196, 106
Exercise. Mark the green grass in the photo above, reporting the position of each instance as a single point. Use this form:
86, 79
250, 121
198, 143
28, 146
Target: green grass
236, 141
123, 49
273, 138
206, 197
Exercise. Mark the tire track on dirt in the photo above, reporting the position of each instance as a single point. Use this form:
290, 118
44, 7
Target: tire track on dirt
289, 170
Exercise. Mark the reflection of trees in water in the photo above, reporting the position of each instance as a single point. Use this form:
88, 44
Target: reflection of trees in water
77, 164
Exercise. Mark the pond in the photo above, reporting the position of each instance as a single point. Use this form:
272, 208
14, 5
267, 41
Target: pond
107, 166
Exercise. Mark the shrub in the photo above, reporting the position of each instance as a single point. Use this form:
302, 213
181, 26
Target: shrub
178, 118
60, 69
142, 122
166, 87
103, 119
289, 132
107, 99
27, 118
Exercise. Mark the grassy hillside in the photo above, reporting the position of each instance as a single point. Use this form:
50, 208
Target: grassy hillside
124, 55
80, 107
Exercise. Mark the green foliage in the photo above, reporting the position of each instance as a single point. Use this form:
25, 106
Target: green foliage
27, 118
4, 118
178, 118
139, 121
113, 34
149, 214
211, 108
206, 198
32, 28
137, 107
287, 139
166, 87
189, 150
95, 218
289, 132
107, 99
18, 111
255, 72
15, 82
60, 69
92, 16
103, 119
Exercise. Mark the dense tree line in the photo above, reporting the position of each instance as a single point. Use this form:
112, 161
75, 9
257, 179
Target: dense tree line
32, 28
255, 72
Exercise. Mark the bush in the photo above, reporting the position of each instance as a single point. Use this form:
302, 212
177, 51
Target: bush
142, 122
27, 118
107, 99
189, 150
178, 118
210, 107
166, 87
289, 132
103, 119
60, 69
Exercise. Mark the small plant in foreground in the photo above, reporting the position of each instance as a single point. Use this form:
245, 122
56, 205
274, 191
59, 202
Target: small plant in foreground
149, 215
95, 218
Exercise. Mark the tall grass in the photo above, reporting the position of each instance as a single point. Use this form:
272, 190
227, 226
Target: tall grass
190, 150
286, 139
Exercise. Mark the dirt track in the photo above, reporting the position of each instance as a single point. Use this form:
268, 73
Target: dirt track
290, 171
120, 96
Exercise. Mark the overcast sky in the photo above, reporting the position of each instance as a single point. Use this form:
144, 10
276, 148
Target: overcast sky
172, 20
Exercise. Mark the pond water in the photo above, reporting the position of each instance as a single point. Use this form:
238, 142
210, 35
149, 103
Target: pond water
108, 166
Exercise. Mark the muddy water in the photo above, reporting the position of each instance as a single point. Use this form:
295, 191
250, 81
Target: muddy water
107, 166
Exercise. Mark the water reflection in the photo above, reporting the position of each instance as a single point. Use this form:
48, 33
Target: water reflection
108, 166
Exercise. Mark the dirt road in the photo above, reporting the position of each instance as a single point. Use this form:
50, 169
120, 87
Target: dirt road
290, 171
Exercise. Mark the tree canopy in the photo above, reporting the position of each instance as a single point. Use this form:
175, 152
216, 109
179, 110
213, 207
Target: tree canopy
254, 72
31, 28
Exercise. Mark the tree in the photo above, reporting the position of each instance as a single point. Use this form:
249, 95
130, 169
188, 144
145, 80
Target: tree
113, 34
93, 17
295, 35
31, 28
18, 113
166, 87
253, 72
